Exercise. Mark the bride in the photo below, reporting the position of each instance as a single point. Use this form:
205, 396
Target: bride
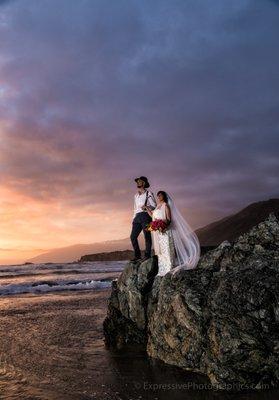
178, 247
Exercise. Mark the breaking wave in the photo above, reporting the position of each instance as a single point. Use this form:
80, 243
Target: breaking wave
42, 278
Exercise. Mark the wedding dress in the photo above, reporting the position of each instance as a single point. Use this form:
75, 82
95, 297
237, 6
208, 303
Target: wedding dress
163, 243
177, 248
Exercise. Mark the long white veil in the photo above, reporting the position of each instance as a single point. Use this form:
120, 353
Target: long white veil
186, 242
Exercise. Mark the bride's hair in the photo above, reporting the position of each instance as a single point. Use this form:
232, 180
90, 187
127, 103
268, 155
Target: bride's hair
164, 194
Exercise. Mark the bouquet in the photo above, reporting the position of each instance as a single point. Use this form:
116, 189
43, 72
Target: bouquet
157, 225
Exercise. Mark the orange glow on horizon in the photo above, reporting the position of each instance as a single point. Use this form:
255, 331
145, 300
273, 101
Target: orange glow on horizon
29, 227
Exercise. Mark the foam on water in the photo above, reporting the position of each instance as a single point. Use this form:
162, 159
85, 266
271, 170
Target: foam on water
13, 277
52, 287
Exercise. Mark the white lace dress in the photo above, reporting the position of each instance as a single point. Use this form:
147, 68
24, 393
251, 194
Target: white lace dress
163, 243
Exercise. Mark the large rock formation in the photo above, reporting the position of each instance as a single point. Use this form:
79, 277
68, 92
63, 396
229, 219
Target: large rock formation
220, 319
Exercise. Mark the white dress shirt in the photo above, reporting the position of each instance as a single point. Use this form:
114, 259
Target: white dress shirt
140, 201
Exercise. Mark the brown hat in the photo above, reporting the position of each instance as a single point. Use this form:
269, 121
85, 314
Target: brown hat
143, 178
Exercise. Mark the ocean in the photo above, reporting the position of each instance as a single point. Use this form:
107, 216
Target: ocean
53, 277
52, 343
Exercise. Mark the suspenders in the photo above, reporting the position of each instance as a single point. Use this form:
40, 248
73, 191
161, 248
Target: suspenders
146, 199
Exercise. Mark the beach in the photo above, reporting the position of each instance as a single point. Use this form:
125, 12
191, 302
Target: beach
52, 347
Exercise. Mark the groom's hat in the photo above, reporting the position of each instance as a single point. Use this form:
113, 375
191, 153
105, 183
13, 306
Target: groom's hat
143, 178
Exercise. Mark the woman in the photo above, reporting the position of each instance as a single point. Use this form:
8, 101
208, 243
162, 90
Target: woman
178, 247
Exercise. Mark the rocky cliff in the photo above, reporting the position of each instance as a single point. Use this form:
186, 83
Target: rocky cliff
220, 319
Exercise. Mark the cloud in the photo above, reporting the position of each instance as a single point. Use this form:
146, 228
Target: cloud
2, 2
94, 93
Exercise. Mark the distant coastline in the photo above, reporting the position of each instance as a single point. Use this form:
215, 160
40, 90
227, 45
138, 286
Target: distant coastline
210, 236
123, 255
119, 255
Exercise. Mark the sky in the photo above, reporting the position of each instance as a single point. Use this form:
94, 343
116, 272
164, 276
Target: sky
95, 93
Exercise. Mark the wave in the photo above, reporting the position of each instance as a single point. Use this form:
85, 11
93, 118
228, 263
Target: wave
94, 266
53, 277
52, 286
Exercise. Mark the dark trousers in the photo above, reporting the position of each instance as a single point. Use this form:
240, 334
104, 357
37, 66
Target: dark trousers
139, 223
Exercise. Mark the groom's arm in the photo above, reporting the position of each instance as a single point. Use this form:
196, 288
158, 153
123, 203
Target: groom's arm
151, 201
134, 214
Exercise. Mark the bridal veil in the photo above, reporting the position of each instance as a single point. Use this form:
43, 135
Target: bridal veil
186, 242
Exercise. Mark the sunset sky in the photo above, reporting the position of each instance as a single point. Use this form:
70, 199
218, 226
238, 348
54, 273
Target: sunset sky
95, 93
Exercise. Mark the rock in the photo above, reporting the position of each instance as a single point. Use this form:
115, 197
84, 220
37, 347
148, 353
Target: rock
220, 319
127, 310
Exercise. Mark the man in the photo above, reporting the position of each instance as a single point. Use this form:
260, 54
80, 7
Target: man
143, 199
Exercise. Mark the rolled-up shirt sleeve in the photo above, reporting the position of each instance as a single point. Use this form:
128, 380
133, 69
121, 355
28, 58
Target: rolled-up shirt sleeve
135, 207
151, 201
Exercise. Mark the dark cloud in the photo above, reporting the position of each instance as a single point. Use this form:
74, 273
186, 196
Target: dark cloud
5, 2
94, 93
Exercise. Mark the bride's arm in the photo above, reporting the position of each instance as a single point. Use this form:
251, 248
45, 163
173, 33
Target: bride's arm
168, 214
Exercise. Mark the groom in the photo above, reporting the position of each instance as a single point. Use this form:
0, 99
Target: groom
143, 199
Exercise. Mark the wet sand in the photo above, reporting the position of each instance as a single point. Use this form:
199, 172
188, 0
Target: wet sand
51, 347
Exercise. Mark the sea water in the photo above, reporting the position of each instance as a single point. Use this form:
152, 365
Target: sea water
52, 344
53, 277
